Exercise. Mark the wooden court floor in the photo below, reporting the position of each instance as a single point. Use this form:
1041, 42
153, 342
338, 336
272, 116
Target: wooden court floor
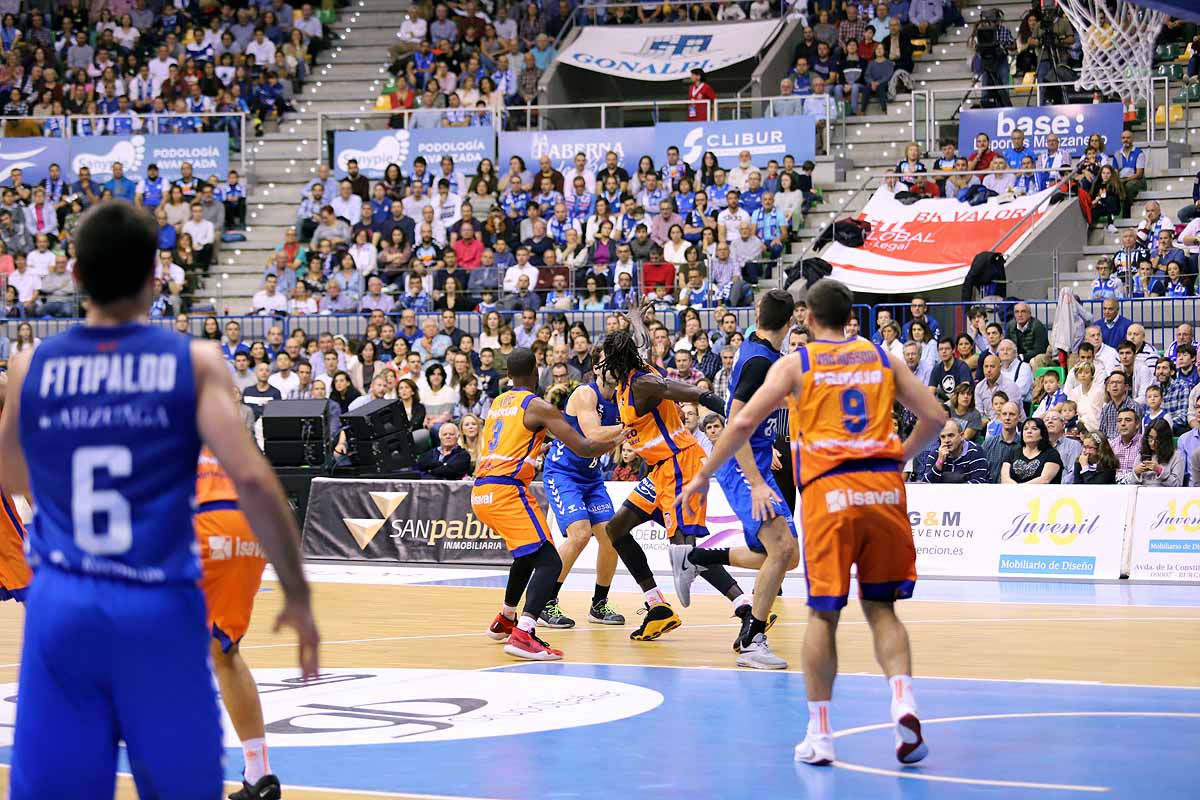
441, 627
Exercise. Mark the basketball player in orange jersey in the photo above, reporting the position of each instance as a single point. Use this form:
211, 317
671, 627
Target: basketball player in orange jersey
512, 437
648, 404
15, 574
840, 393
232, 561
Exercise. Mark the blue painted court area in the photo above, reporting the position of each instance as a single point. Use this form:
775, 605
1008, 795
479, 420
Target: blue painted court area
601, 731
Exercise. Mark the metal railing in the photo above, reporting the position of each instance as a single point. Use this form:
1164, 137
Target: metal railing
926, 124
759, 107
330, 121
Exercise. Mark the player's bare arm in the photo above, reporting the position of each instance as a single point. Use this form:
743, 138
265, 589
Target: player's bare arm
14, 474
582, 406
262, 497
931, 415
649, 390
543, 415
781, 381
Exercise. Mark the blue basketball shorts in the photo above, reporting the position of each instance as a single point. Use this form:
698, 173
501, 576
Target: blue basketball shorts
573, 499
733, 483
106, 661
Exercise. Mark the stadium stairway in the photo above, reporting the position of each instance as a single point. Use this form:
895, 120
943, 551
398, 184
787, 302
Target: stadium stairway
346, 78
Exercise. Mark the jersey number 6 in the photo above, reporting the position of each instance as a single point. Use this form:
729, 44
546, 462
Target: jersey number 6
87, 502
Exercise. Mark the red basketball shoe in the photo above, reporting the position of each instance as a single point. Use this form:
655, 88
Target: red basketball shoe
501, 628
529, 646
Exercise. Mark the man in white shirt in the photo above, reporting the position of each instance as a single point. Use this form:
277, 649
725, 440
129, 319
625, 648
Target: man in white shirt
579, 170
308, 23
739, 176
624, 263
41, 258
268, 300
729, 221
26, 282
413, 31
816, 104
347, 204
522, 267
415, 202
160, 66
1105, 355
262, 48
1015, 370
170, 273
203, 235
284, 379
447, 206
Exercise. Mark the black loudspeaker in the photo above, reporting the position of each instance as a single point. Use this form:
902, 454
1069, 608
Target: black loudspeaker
295, 420
380, 437
290, 453
387, 455
376, 419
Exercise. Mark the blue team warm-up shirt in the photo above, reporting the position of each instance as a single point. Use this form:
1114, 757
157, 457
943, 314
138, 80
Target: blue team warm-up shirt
762, 441
574, 485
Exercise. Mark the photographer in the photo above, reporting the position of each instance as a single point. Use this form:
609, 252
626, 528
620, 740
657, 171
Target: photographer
992, 43
1053, 37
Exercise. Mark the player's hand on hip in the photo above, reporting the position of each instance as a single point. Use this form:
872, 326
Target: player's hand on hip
776, 461
762, 502
297, 615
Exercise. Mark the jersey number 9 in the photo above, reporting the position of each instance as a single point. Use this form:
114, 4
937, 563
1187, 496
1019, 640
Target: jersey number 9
854, 409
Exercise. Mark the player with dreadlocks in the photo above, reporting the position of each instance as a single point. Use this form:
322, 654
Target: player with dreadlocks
647, 404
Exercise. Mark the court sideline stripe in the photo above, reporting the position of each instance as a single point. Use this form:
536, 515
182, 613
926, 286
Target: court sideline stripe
599, 629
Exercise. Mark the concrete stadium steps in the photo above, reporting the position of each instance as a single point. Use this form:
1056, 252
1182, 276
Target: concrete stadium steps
346, 78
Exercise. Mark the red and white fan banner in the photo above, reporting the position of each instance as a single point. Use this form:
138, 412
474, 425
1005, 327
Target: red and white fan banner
930, 243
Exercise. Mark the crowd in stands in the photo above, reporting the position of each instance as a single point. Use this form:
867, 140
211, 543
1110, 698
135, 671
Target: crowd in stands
548, 239
154, 67
37, 223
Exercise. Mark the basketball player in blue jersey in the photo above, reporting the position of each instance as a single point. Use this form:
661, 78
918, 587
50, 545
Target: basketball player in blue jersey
755, 497
102, 430
576, 493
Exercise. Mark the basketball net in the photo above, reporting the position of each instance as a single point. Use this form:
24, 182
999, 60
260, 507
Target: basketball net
1118, 45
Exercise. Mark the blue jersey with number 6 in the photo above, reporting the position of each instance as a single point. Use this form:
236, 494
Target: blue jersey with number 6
108, 426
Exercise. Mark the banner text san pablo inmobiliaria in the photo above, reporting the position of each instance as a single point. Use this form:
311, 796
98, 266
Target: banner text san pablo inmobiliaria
208, 153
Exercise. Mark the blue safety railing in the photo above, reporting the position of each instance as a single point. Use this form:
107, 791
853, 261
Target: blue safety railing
1159, 316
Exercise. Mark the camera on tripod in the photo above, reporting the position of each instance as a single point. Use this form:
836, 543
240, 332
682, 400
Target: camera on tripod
987, 36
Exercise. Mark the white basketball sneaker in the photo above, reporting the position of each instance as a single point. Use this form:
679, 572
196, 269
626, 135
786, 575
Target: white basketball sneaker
684, 572
758, 655
816, 749
910, 745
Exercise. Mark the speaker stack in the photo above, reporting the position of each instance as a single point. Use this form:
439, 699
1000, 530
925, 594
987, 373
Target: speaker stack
379, 438
295, 434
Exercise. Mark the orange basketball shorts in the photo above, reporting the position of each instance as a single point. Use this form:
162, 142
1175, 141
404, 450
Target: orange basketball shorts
15, 575
656, 497
506, 506
232, 562
857, 518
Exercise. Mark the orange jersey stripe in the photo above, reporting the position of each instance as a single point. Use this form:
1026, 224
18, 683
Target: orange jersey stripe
212, 482
655, 436
510, 449
844, 409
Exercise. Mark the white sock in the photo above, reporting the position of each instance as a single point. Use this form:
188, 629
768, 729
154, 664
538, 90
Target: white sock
655, 596
254, 751
509, 612
903, 700
526, 623
742, 600
818, 718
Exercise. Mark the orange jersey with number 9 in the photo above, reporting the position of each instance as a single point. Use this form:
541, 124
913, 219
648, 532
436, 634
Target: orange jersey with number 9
843, 411
510, 449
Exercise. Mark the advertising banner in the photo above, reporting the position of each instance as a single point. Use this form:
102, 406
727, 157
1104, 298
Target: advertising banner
1166, 535
208, 153
766, 139
630, 144
377, 520
33, 156
1034, 531
1072, 124
666, 52
374, 150
930, 244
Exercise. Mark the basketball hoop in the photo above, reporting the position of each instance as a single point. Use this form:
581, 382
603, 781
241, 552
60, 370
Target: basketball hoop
1118, 45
